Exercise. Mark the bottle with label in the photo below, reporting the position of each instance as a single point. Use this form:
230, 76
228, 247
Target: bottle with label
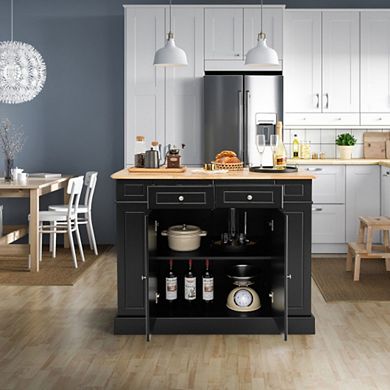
189, 284
207, 284
139, 151
280, 155
171, 284
295, 147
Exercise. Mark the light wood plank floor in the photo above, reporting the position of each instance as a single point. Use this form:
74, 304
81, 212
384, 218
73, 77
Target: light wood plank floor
61, 338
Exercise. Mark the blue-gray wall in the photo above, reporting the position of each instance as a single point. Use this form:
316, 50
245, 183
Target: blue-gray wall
76, 123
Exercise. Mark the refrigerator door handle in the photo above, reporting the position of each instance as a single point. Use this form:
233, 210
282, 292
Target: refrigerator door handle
247, 113
240, 127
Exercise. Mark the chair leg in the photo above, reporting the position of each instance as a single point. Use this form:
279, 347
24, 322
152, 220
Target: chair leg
88, 227
369, 239
348, 265
54, 239
79, 243
40, 241
71, 244
92, 234
386, 240
356, 275
51, 238
361, 233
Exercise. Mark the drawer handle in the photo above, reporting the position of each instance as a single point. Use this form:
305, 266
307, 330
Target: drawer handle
316, 209
236, 54
181, 198
379, 119
249, 197
314, 169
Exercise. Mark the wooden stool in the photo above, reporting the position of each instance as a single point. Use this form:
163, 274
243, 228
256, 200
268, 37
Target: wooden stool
364, 250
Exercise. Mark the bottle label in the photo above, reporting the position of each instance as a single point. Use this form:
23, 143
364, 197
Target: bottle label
171, 288
190, 288
208, 289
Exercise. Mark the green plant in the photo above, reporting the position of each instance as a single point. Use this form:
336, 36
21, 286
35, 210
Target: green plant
345, 139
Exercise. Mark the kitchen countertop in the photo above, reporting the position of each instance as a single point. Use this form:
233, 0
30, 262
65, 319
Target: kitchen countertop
189, 174
335, 161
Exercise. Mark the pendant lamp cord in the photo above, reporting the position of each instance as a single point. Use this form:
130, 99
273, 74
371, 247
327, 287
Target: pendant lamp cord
12, 20
170, 16
261, 18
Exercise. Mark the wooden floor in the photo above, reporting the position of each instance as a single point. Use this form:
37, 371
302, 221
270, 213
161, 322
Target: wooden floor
61, 338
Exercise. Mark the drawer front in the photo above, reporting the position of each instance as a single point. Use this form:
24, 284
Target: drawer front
328, 224
129, 191
296, 191
266, 196
322, 119
377, 120
329, 185
165, 197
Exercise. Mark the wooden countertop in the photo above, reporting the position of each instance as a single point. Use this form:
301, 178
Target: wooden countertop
335, 161
189, 174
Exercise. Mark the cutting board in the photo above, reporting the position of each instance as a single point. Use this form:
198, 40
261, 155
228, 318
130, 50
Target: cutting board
157, 170
375, 144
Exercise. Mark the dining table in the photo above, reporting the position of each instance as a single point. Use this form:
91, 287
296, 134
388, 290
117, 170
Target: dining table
32, 188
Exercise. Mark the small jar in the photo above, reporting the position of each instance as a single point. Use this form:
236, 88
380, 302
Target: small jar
139, 151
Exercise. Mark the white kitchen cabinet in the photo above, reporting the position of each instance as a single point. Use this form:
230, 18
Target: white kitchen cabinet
328, 224
375, 69
340, 61
302, 62
224, 34
385, 191
329, 185
144, 83
362, 196
184, 86
272, 26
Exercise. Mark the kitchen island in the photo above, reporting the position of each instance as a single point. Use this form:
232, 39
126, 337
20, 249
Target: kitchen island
272, 212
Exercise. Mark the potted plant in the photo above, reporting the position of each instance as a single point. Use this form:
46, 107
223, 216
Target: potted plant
345, 143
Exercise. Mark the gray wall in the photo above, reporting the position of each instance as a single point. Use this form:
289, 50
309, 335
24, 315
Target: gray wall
76, 123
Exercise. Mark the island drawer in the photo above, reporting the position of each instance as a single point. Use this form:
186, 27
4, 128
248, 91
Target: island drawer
131, 191
297, 191
195, 197
261, 196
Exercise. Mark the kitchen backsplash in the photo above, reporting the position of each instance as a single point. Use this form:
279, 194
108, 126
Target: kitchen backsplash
324, 140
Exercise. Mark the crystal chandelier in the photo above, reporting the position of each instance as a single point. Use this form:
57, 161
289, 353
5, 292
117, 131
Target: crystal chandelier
22, 70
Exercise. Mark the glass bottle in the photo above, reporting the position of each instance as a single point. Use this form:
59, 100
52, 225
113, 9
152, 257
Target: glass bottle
207, 284
280, 155
139, 151
171, 284
295, 147
189, 284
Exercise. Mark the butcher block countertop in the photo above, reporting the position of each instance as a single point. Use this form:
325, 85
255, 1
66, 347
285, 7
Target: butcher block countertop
194, 174
335, 161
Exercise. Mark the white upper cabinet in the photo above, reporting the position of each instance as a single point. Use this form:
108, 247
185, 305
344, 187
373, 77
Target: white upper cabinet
375, 65
184, 86
272, 26
144, 83
224, 34
302, 61
340, 68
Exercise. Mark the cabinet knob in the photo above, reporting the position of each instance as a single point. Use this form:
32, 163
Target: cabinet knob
249, 197
289, 276
181, 198
143, 277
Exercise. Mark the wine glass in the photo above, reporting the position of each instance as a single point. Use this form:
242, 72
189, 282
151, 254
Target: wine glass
274, 139
260, 145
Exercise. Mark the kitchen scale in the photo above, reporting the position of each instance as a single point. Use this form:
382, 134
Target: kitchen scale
243, 298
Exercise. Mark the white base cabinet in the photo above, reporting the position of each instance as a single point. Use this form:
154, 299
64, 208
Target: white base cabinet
385, 191
328, 224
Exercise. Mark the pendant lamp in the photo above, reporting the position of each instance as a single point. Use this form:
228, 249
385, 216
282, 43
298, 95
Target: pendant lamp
170, 54
22, 70
261, 54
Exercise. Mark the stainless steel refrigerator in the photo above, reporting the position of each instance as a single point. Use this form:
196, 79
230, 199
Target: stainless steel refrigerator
237, 107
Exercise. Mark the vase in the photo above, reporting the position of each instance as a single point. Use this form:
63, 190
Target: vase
8, 166
345, 152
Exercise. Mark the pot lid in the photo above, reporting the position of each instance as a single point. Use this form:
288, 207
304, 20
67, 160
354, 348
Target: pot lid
184, 230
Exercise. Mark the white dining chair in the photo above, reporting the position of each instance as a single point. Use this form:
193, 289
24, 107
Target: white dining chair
84, 211
55, 222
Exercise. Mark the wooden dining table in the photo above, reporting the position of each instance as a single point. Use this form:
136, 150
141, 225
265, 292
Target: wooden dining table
32, 188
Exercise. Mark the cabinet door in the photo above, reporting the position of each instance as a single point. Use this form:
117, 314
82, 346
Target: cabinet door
375, 59
362, 197
340, 68
302, 61
299, 258
132, 257
328, 224
272, 26
144, 83
385, 192
184, 86
223, 29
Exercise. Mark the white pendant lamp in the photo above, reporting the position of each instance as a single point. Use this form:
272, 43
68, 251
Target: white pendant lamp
22, 70
261, 55
170, 54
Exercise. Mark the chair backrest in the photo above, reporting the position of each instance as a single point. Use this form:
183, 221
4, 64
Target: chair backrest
90, 182
74, 189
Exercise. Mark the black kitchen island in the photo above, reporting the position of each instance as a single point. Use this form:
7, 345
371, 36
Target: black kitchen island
276, 209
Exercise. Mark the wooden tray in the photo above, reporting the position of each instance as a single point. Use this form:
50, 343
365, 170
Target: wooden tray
157, 170
273, 170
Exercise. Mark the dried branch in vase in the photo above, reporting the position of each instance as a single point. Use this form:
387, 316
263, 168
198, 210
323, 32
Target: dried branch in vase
11, 139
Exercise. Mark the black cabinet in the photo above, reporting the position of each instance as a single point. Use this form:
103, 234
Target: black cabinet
279, 215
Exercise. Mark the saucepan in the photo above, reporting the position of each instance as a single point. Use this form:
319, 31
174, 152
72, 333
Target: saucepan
184, 238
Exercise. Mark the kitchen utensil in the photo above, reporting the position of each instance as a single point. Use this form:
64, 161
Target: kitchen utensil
184, 238
152, 159
21, 177
260, 144
15, 172
173, 156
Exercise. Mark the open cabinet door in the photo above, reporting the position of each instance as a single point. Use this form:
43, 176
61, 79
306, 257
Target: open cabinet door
146, 283
279, 291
